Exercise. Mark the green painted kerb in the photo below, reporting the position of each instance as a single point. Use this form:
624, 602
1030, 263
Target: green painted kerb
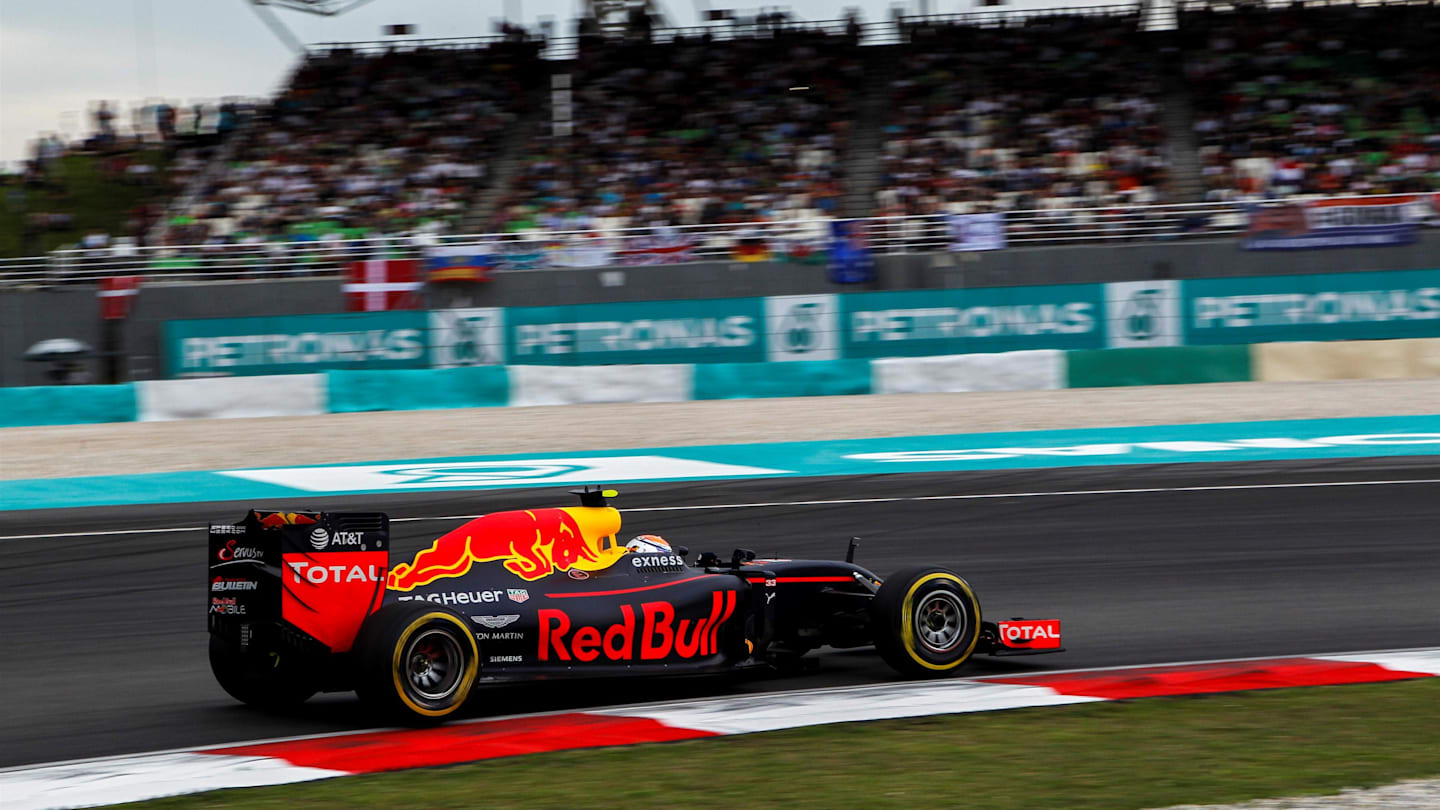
1103, 368
417, 389
66, 405
816, 378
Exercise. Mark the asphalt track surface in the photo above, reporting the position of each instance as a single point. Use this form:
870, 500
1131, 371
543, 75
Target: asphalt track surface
102, 637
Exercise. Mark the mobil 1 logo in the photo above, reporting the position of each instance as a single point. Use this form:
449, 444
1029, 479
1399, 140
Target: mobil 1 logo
1142, 313
802, 327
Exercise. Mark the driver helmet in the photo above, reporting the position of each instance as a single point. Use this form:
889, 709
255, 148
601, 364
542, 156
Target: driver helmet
649, 544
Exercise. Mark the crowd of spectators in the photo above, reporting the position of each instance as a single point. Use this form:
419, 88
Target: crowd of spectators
362, 143
1057, 111
1336, 100
694, 131
1062, 115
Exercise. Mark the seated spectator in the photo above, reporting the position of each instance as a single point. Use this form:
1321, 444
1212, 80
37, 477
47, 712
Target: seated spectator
1060, 107
1324, 101
694, 131
359, 143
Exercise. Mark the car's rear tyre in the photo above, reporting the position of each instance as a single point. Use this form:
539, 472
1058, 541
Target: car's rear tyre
266, 679
926, 621
417, 661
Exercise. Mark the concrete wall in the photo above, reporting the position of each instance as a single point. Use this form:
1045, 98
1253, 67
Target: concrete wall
30, 316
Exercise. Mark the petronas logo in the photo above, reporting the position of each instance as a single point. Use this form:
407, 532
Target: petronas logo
1141, 315
799, 328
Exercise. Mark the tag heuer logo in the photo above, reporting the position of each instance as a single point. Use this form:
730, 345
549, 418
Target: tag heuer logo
495, 622
517, 594
319, 538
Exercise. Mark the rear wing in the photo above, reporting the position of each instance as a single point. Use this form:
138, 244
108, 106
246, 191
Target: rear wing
319, 573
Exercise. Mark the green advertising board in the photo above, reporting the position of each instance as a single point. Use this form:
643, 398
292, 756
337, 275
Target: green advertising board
722, 330
997, 319
295, 344
1340, 306
823, 327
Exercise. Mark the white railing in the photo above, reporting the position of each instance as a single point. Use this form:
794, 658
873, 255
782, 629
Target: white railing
543, 250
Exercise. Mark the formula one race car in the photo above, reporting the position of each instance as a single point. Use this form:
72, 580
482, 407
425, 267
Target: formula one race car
302, 602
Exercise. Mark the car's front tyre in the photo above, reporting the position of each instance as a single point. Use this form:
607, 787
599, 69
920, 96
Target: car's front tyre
926, 621
417, 661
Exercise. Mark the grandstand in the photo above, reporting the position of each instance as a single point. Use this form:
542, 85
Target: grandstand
1078, 124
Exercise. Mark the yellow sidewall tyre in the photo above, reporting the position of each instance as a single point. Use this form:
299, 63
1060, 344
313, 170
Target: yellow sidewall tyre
417, 662
926, 622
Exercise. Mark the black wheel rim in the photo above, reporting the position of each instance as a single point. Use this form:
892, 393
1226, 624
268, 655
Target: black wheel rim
433, 665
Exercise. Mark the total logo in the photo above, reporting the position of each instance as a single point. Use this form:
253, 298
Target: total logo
1032, 634
652, 636
321, 539
321, 574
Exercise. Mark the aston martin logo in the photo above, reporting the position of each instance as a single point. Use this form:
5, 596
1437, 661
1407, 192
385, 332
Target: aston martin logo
494, 622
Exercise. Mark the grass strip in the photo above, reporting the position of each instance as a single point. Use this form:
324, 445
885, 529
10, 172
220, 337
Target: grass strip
1115, 756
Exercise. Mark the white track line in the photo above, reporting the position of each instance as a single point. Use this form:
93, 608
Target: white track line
691, 702
832, 502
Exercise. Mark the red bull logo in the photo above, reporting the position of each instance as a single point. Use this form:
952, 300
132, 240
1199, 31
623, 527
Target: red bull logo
275, 520
659, 636
531, 544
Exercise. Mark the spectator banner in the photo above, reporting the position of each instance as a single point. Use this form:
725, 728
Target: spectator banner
458, 263
750, 246
724, 330
997, 319
467, 337
663, 248
977, 231
519, 256
294, 344
1353, 222
1340, 306
380, 284
586, 251
850, 259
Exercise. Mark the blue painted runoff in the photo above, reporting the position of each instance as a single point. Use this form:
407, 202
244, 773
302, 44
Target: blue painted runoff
300, 484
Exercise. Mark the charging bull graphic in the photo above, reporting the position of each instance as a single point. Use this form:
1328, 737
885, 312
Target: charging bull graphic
532, 544
275, 520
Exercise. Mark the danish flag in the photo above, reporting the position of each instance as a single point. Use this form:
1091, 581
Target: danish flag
116, 294
381, 284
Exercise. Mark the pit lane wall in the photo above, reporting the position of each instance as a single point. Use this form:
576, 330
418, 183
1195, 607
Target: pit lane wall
344, 391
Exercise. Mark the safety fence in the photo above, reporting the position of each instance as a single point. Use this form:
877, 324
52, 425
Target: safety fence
800, 240
490, 386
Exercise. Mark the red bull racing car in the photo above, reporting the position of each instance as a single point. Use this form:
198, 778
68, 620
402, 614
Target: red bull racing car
302, 602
